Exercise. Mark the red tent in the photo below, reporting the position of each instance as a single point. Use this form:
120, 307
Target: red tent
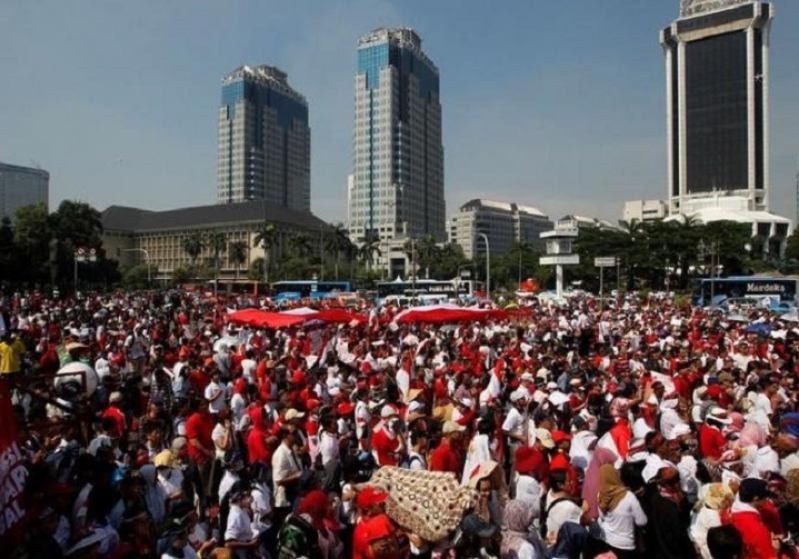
265, 319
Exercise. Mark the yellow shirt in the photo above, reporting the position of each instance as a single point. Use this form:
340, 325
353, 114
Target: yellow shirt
11, 356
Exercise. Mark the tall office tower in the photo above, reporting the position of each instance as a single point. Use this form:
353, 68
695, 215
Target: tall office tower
717, 103
22, 186
397, 189
264, 140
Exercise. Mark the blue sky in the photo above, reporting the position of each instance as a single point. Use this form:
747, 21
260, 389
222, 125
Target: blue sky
559, 105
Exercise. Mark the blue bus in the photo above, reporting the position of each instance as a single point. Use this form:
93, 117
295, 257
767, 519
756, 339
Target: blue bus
303, 289
712, 291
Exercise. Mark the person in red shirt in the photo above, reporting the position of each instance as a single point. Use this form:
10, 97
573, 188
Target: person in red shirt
371, 504
113, 411
199, 429
388, 445
259, 449
712, 442
561, 461
448, 457
753, 495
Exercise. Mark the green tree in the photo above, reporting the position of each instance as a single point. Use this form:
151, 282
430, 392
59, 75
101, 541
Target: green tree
792, 248
238, 255
266, 237
369, 249
301, 245
337, 242
32, 237
136, 277
217, 242
193, 245
427, 253
8, 251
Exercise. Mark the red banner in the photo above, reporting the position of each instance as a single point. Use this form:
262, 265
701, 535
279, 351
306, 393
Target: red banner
12, 474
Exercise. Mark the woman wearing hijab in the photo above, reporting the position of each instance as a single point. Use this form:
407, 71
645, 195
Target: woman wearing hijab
601, 457
713, 498
154, 495
620, 513
518, 540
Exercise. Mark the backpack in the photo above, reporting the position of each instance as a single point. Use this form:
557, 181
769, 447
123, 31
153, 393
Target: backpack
297, 539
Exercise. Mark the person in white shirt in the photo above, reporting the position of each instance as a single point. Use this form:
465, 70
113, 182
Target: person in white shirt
169, 477
417, 459
248, 366
286, 471
215, 393
619, 512
329, 441
239, 534
222, 435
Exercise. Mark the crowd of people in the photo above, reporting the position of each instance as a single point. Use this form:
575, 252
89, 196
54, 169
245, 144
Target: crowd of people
562, 431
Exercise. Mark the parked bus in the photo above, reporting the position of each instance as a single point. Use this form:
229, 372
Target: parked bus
711, 291
424, 290
314, 289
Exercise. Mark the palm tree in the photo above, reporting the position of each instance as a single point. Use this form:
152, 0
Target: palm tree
238, 255
300, 244
193, 245
217, 242
427, 251
338, 241
370, 248
266, 237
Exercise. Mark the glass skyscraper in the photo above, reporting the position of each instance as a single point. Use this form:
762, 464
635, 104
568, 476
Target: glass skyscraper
22, 186
717, 102
264, 140
397, 184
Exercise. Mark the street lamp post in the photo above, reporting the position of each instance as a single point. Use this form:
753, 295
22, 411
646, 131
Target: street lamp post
488, 266
146, 258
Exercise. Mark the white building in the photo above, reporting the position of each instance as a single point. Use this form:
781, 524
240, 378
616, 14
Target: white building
22, 186
397, 191
644, 210
504, 223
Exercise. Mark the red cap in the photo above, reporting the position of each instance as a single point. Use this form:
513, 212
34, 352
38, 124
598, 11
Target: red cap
560, 436
714, 391
369, 497
311, 405
345, 409
378, 527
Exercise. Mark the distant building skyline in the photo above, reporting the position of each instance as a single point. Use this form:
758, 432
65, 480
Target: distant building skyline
397, 187
717, 71
22, 186
264, 140
504, 223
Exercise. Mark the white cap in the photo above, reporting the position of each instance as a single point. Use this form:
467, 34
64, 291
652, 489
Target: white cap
518, 394
452, 427
388, 411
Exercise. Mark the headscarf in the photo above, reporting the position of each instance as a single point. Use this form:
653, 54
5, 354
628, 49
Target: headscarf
792, 488
715, 496
602, 456
752, 435
154, 494
518, 517
611, 489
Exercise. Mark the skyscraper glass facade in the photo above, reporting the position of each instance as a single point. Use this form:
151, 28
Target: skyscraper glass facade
264, 140
717, 72
398, 180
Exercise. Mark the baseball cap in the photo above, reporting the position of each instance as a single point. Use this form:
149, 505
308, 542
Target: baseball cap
388, 411
369, 497
294, 414
719, 415
452, 427
560, 436
545, 437
518, 394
